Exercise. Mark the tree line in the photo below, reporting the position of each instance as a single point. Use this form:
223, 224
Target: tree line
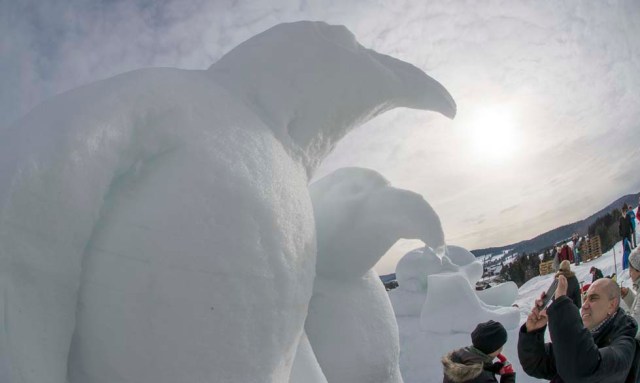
606, 227
524, 267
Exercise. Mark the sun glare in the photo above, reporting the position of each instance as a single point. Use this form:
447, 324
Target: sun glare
493, 132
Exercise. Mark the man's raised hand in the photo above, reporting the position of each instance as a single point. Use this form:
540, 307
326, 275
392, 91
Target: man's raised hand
537, 318
562, 286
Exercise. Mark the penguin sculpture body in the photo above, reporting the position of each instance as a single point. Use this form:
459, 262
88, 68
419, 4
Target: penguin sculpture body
156, 226
351, 324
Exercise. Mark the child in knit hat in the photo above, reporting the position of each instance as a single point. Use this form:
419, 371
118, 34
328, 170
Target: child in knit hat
474, 364
631, 296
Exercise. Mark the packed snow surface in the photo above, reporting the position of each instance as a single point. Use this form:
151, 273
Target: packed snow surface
157, 227
423, 344
437, 307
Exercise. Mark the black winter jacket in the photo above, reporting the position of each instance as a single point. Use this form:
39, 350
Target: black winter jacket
573, 288
625, 227
576, 355
467, 365
597, 275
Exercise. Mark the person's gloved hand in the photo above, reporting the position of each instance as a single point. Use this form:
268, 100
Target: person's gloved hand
506, 366
495, 367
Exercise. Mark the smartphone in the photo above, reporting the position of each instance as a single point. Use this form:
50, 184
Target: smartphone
548, 295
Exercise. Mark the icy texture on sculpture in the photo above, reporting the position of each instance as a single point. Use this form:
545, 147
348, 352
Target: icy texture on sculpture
157, 227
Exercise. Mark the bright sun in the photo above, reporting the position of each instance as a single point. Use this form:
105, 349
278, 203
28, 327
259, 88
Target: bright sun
493, 132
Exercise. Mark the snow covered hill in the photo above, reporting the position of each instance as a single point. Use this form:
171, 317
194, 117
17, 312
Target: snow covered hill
547, 239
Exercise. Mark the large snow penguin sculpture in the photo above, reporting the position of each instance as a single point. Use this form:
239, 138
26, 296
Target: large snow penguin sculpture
157, 227
351, 324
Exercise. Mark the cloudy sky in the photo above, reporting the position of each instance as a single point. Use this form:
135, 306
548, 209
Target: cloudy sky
548, 129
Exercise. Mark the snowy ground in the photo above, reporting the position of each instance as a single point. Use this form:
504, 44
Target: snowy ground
532, 289
421, 350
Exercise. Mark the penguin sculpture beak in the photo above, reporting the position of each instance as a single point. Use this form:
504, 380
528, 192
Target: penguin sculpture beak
419, 91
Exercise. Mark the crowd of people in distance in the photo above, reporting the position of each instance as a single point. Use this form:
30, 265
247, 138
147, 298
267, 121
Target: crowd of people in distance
594, 340
564, 252
627, 231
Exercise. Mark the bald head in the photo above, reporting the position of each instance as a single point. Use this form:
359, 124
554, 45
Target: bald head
609, 288
601, 302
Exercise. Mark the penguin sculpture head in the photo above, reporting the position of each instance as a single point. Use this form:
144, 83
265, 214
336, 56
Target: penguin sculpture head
359, 216
312, 101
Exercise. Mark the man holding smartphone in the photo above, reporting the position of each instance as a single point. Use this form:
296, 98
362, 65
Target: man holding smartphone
595, 344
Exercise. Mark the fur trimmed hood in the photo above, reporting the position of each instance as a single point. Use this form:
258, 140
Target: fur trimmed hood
461, 365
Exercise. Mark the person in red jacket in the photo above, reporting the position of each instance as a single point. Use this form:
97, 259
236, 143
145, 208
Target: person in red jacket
566, 254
